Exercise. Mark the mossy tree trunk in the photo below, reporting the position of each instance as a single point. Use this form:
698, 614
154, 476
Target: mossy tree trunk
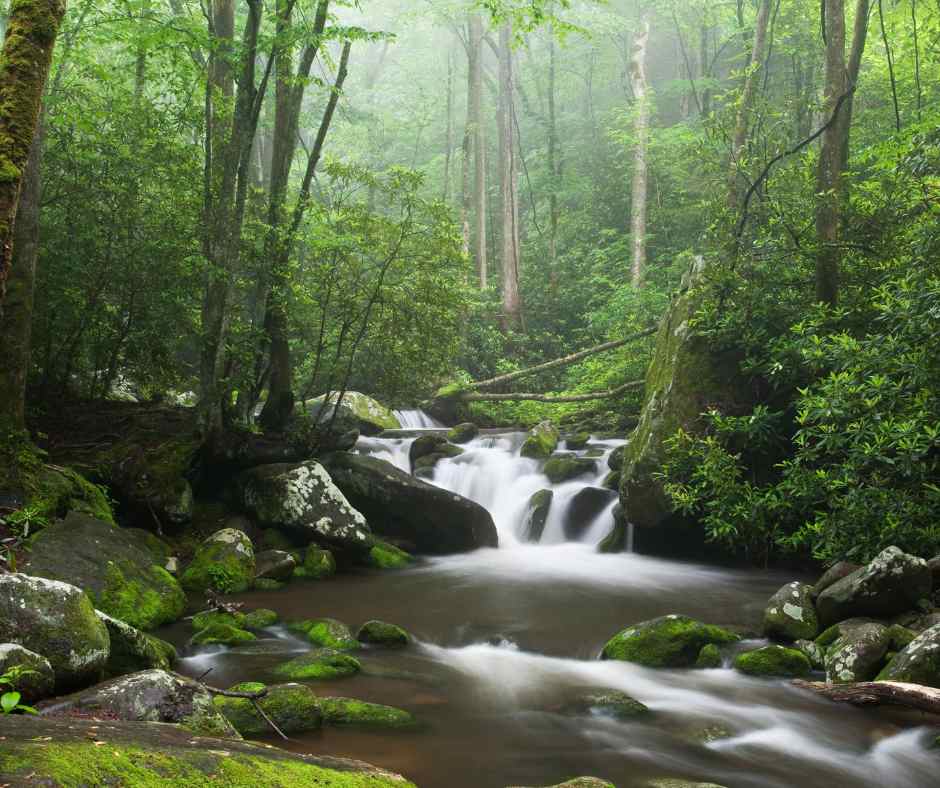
31, 32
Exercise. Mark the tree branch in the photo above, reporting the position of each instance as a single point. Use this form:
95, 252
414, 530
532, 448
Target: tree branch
474, 396
877, 693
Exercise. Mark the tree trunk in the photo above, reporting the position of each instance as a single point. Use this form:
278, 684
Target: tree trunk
840, 80
512, 307
554, 167
746, 104
16, 318
32, 27
475, 113
641, 125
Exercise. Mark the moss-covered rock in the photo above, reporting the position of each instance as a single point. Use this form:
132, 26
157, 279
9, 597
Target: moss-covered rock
671, 641
577, 441
899, 637
857, 654
536, 515
773, 661
424, 466
791, 615
303, 500
57, 621
541, 441
330, 633
618, 536
383, 555
68, 754
292, 707
208, 618
150, 696
463, 432
708, 657
611, 703
615, 459
687, 375
318, 564
260, 618
381, 633
612, 481
349, 711
373, 417
319, 664
221, 635
918, 662
114, 566
563, 469
133, 650
37, 679
813, 652
224, 562
274, 564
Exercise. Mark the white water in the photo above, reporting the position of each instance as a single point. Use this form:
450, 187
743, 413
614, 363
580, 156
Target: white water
416, 420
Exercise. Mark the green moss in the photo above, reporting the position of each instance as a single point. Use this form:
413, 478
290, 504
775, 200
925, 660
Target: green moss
665, 642
383, 555
267, 584
160, 601
542, 440
77, 765
899, 637
330, 633
221, 634
318, 564
224, 562
348, 711
463, 433
208, 618
293, 707
828, 636
260, 618
708, 657
561, 469
773, 661
383, 634
320, 664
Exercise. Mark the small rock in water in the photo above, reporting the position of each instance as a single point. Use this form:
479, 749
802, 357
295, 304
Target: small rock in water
536, 515
583, 508
791, 615
671, 641
612, 703
775, 661
382, 633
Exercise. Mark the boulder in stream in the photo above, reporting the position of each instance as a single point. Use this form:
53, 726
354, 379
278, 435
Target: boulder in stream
292, 707
329, 633
858, 653
318, 564
319, 664
57, 621
541, 441
349, 711
372, 416
224, 562
304, 500
275, 564
791, 615
407, 510
560, 469
463, 432
892, 583
381, 633
383, 555
583, 509
773, 661
116, 567
611, 703
918, 662
536, 515
671, 641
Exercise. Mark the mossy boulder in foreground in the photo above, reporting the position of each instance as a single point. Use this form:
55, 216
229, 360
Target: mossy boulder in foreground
68, 754
381, 633
292, 707
224, 562
349, 711
57, 621
773, 661
791, 615
541, 442
373, 417
115, 566
319, 664
671, 641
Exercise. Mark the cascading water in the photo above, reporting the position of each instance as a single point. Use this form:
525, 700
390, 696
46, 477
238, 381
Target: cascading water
415, 419
505, 637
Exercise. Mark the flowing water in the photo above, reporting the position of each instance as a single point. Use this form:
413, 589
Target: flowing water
508, 637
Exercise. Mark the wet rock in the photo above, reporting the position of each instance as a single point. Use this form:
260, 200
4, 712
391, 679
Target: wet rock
833, 575
349, 711
463, 433
423, 464
371, 415
292, 707
133, 650
671, 641
148, 696
536, 515
44, 751
383, 555
318, 564
612, 481
773, 661
709, 657
224, 562
330, 633
791, 615
934, 565
616, 539
562, 469
319, 664
57, 621
583, 508
611, 703
304, 500
114, 566
260, 618
424, 445
857, 654
577, 441
381, 633
893, 582
813, 652
221, 635
918, 662
615, 459
37, 681
275, 564
404, 509
209, 618
581, 782
541, 441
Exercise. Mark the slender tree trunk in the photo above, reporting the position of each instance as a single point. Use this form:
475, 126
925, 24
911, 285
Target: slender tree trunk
508, 172
840, 79
479, 148
449, 140
746, 104
466, 194
32, 27
641, 124
554, 167
705, 68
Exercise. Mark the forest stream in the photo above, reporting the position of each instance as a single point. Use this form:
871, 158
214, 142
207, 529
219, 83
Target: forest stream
505, 637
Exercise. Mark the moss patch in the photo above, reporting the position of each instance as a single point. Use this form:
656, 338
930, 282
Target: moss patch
383, 555
667, 642
541, 442
708, 657
330, 633
293, 707
348, 711
318, 564
225, 562
260, 618
319, 664
773, 661
383, 634
221, 634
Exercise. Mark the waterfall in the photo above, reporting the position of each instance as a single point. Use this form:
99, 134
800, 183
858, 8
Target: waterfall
416, 419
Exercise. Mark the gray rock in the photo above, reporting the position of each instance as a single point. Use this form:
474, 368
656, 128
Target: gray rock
38, 680
275, 564
892, 583
133, 650
918, 662
858, 654
536, 514
583, 508
832, 575
790, 614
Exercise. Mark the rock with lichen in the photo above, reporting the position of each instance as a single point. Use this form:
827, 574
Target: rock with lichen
372, 416
790, 614
224, 563
918, 662
857, 653
541, 441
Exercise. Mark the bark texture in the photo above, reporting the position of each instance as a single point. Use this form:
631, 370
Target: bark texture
641, 130
509, 187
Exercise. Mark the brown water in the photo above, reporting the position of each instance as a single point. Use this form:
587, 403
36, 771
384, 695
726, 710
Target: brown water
506, 637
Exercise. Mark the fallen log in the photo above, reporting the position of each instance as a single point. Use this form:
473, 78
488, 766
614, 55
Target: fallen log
877, 693
476, 396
